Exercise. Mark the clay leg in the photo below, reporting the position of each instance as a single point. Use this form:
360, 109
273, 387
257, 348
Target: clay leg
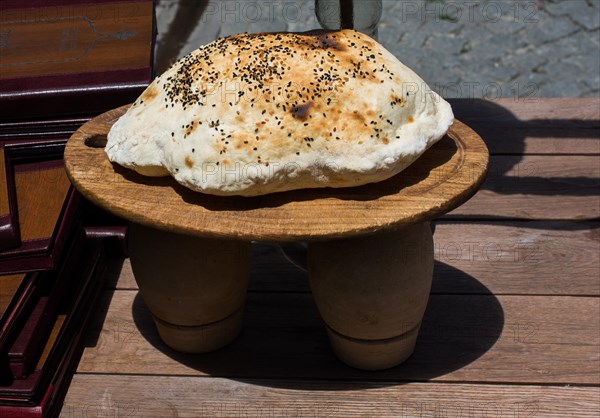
194, 287
372, 293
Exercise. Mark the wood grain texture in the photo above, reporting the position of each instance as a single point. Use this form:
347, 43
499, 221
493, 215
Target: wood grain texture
53, 184
8, 288
443, 178
518, 339
9, 219
58, 324
534, 126
76, 39
4, 208
537, 188
524, 258
170, 396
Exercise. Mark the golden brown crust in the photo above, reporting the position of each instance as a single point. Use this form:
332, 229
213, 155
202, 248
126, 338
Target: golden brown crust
254, 114
299, 98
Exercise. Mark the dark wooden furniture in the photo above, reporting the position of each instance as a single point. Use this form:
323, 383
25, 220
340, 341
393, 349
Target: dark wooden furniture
62, 63
512, 327
44, 208
62, 57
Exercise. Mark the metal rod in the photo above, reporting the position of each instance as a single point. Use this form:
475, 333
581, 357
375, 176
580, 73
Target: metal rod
347, 14
360, 15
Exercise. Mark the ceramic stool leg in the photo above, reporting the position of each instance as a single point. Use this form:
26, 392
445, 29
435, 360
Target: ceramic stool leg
194, 287
372, 292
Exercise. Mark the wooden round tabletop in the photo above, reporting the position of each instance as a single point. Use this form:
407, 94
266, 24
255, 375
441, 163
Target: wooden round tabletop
443, 178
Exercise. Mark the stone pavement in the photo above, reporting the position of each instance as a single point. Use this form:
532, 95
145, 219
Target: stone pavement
462, 48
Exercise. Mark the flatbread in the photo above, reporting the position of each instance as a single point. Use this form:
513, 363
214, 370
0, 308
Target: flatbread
260, 113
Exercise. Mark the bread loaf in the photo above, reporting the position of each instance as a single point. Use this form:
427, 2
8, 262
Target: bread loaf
260, 113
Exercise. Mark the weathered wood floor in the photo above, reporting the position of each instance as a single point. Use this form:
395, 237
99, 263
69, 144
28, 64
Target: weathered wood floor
512, 327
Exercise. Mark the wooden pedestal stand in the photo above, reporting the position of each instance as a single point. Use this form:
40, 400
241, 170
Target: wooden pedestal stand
370, 247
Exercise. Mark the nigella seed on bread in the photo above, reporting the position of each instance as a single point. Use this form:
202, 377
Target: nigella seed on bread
254, 114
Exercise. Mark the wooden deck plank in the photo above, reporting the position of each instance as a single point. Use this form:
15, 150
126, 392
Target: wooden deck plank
544, 258
525, 126
508, 339
500, 258
538, 188
169, 396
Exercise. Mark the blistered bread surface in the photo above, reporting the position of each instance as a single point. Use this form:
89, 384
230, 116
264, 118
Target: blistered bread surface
260, 113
